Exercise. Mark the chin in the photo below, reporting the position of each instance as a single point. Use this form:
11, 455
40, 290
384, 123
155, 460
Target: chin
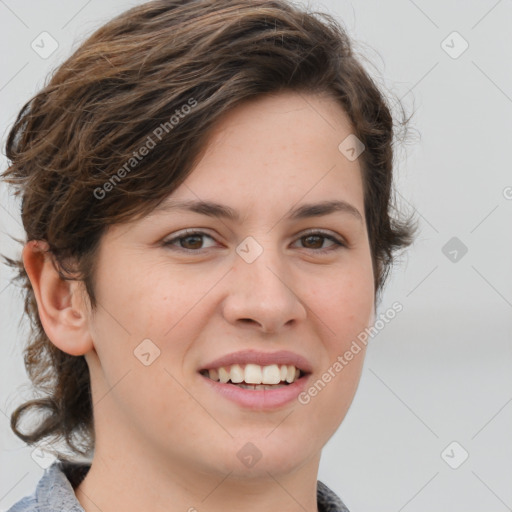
258, 455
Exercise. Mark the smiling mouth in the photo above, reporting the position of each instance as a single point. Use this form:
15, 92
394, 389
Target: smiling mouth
254, 376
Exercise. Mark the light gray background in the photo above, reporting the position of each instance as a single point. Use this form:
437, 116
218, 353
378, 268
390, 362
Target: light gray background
441, 371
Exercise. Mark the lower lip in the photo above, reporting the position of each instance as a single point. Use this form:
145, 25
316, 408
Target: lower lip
261, 399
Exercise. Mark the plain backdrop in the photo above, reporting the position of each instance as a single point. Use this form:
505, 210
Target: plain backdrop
437, 382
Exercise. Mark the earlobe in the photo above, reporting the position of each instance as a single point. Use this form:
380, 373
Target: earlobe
61, 310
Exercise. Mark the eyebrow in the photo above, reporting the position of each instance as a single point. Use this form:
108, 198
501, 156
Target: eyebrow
304, 211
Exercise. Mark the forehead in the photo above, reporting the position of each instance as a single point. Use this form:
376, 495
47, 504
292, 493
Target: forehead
276, 148
280, 120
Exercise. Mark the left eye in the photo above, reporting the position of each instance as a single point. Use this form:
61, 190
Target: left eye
314, 238
193, 241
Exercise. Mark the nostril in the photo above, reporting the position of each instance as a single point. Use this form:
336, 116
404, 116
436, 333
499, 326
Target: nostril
247, 320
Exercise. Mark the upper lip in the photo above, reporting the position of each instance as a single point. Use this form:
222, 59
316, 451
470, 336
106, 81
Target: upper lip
260, 358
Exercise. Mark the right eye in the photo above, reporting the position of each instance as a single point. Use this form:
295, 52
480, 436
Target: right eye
189, 240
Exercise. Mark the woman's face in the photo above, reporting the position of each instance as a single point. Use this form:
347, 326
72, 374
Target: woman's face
272, 287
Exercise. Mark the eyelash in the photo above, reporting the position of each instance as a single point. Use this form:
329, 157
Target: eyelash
339, 244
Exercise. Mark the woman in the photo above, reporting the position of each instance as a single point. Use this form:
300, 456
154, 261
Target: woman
206, 194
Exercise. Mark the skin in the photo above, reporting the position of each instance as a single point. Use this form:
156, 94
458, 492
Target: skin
164, 439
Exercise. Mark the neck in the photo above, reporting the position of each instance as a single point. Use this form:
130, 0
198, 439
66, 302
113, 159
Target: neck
134, 486
136, 479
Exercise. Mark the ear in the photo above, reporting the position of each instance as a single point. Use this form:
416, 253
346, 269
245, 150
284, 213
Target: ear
62, 311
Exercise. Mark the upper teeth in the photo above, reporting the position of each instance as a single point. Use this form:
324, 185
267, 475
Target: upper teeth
255, 374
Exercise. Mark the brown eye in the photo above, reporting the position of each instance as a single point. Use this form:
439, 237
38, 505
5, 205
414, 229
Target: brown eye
190, 241
315, 240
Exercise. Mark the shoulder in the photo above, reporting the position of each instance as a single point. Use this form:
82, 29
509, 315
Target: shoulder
54, 491
27, 504
328, 501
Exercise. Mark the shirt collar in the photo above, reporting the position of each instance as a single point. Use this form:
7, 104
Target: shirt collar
327, 500
55, 490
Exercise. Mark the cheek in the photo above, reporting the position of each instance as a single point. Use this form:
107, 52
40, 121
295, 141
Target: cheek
344, 303
149, 300
345, 308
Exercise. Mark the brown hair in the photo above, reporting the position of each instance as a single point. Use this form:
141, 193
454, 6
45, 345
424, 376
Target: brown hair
77, 159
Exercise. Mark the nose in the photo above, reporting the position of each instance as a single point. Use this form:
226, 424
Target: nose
262, 295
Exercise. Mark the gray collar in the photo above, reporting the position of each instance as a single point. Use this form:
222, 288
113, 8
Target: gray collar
55, 491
